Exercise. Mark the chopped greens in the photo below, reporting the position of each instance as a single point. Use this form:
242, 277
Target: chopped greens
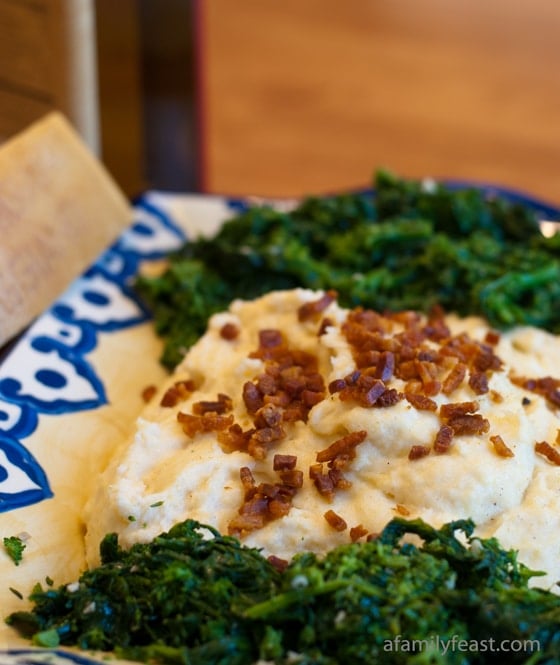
14, 547
404, 246
195, 597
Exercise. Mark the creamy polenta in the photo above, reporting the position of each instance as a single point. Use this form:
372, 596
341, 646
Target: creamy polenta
297, 425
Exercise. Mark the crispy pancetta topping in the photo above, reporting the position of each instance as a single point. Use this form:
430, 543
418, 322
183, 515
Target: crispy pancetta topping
448, 411
264, 502
424, 355
417, 452
454, 379
346, 445
234, 438
500, 446
207, 422
478, 382
357, 532
222, 404
229, 331
468, 424
284, 462
178, 392
148, 392
443, 440
385, 366
290, 384
462, 419
492, 337
336, 456
278, 563
368, 391
546, 450
270, 339
546, 386
326, 482
252, 397
334, 520
420, 402
313, 310
325, 323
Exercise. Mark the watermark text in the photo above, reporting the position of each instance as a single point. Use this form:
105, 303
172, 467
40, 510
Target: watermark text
443, 645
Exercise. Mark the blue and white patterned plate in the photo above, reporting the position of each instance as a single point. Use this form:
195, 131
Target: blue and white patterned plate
44, 657
72, 386
69, 389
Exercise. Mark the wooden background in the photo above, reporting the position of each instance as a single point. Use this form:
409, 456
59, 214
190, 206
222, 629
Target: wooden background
298, 96
48, 61
306, 96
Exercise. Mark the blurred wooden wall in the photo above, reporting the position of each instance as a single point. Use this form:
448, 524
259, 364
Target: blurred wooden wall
121, 103
146, 62
120, 70
305, 96
47, 61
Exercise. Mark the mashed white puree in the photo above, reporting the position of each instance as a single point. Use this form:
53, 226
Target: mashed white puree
163, 476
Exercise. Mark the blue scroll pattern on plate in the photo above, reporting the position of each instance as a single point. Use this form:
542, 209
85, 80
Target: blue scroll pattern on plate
49, 372
43, 657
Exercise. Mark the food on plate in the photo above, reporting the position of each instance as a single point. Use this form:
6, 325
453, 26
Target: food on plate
194, 596
297, 425
407, 245
318, 427
14, 546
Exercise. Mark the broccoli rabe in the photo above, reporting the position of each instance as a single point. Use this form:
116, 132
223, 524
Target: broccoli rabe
14, 546
404, 245
193, 596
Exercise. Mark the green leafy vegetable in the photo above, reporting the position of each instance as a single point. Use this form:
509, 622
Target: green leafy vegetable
14, 547
192, 596
405, 246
